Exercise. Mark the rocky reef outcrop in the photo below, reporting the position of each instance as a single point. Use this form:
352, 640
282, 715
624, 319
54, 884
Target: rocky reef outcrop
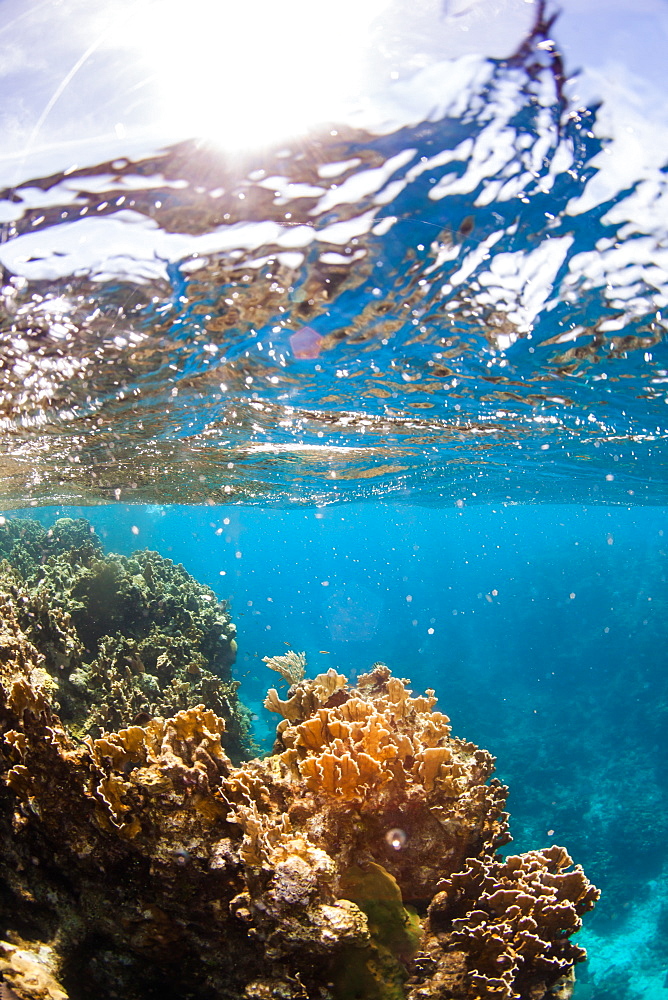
359, 861
122, 639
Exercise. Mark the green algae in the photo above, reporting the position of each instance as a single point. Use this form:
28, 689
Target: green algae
378, 971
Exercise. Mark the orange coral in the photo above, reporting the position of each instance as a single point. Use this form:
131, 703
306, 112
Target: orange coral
373, 758
306, 697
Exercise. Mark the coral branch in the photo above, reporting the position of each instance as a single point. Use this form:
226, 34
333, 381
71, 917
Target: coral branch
290, 665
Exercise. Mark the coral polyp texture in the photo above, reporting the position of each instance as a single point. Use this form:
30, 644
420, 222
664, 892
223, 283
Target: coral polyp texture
359, 861
121, 638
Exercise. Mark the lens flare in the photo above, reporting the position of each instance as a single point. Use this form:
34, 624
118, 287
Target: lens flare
305, 343
396, 838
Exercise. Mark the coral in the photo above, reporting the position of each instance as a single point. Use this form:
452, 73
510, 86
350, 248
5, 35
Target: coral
26, 544
395, 933
291, 666
358, 860
507, 923
385, 759
124, 639
29, 971
305, 698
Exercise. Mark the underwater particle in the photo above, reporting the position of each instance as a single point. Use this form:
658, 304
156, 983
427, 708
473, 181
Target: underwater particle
305, 343
396, 838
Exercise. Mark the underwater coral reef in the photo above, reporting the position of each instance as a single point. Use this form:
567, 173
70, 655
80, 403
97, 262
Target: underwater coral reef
358, 861
122, 640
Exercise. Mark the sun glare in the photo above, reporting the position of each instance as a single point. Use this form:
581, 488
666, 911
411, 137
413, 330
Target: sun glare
243, 74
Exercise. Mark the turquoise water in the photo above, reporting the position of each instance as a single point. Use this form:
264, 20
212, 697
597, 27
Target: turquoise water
396, 394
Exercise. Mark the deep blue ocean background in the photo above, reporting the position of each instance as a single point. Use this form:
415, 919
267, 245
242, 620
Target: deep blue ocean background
542, 628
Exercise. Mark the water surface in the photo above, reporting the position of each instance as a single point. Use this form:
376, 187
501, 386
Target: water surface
470, 305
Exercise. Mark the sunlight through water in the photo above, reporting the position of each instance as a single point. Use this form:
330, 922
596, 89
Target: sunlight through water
256, 73
448, 286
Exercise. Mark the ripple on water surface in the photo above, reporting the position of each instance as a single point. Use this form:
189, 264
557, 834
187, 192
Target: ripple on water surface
459, 308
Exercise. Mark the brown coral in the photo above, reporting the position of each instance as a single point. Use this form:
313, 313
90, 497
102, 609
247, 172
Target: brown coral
305, 697
374, 758
505, 926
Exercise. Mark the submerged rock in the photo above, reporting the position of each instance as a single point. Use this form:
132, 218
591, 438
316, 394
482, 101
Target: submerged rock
359, 860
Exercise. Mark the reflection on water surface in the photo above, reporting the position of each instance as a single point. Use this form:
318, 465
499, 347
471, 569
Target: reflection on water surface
482, 305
